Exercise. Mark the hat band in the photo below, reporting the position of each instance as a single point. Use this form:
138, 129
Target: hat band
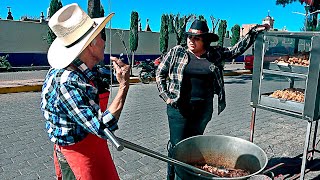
195, 31
83, 36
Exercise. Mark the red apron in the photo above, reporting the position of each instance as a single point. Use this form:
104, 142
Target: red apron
89, 159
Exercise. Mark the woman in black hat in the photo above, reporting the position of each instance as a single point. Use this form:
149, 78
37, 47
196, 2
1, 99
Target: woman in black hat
194, 75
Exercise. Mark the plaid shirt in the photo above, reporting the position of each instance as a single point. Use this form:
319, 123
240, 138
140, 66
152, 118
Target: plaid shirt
173, 64
70, 104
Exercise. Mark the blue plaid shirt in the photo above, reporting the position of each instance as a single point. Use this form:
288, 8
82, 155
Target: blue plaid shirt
70, 104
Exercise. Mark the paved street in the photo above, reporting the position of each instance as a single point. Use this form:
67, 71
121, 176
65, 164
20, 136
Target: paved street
26, 152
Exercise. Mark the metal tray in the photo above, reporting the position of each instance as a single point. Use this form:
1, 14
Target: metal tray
283, 104
287, 68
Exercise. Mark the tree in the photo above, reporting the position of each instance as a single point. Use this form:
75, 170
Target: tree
55, 5
179, 27
310, 6
164, 34
235, 34
133, 39
170, 24
201, 18
222, 32
94, 8
214, 23
228, 34
103, 32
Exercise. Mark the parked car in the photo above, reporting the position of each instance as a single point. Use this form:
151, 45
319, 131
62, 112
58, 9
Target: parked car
271, 54
248, 62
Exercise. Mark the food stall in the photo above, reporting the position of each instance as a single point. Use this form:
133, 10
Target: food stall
286, 80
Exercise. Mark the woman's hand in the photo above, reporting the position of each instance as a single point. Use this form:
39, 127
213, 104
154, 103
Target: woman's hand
169, 101
262, 27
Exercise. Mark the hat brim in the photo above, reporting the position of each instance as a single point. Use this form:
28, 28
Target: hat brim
211, 36
60, 56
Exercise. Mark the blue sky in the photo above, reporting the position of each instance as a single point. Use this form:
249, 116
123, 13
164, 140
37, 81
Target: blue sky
235, 11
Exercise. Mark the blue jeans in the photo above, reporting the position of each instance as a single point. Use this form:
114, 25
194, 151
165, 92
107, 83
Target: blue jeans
188, 119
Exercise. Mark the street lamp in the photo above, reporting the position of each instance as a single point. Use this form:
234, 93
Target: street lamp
306, 15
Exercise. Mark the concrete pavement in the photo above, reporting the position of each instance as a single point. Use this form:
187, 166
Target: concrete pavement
26, 152
28, 81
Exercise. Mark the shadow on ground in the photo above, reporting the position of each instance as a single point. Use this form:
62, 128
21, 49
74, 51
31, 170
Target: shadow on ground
287, 168
242, 79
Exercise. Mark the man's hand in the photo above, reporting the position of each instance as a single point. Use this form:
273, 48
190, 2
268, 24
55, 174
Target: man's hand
123, 75
122, 71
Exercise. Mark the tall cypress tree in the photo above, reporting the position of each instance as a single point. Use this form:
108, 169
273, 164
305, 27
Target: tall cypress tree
94, 8
164, 34
222, 32
170, 24
235, 34
182, 25
227, 34
55, 5
103, 31
133, 39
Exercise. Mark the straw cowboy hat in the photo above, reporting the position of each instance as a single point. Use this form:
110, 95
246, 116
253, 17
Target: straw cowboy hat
74, 30
200, 28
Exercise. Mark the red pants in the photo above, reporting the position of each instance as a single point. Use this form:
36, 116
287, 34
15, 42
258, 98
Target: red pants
90, 159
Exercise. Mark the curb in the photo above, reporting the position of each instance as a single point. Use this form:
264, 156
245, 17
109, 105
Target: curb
36, 87
23, 88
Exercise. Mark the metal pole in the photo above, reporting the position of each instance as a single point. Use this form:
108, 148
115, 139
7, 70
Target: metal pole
306, 17
110, 35
252, 124
110, 32
305, 150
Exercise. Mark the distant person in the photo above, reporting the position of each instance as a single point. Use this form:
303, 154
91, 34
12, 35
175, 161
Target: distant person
188, 77
70, 96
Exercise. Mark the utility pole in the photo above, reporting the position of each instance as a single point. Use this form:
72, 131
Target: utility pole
306, 7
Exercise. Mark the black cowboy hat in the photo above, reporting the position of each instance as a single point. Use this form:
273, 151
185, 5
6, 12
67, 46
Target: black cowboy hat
200, 28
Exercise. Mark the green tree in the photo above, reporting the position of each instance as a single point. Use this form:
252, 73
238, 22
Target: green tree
164, 34
4, 63
103, 32
222, 32
55, 5
235, 34
170, 24
133, 36
94, 8
312, 23
228, 34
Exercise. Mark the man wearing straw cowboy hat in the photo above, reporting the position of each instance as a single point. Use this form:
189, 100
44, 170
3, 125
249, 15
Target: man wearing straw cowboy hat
70, 97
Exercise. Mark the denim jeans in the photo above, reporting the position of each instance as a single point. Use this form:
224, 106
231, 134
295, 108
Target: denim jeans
188, 119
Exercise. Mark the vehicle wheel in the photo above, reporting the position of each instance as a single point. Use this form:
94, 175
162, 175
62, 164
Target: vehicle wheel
145, 77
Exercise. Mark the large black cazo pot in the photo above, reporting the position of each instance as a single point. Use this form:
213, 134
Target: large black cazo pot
230, 152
